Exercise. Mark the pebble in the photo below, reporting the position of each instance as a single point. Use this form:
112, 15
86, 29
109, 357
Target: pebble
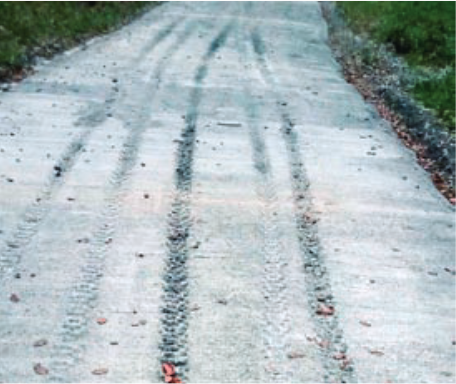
100, 371
40, 343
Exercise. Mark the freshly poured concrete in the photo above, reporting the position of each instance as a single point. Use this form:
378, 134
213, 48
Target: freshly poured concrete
88, 189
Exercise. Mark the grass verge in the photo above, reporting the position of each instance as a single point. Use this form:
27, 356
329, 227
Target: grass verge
30, 29
424, 34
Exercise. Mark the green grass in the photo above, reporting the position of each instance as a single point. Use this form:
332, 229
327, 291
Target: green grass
422, 32
27, 25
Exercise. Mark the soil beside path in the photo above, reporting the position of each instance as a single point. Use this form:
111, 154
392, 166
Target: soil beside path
203, 189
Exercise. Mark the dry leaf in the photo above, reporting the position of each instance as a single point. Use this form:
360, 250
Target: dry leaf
102, 320
40, 369
325, 310
168, 369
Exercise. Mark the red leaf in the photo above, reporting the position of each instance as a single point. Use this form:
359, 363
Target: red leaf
325, 310
168, 369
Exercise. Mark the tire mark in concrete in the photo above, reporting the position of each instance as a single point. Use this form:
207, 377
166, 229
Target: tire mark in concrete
174, 321
37, 211
83, 295
333, 350
276, 315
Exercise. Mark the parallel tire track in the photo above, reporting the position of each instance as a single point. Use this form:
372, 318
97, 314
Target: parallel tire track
36, 212
83, 295
276, 314
333, 349
276, 307
174, 321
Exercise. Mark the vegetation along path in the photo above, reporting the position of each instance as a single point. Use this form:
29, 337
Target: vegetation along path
201, 197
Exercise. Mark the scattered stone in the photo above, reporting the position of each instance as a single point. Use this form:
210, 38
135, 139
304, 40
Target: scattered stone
376, 352
100, 371
142, 322
222, 301
40, 343
14, 298
195, 307
146, 195
365, 323
143, 165
432, 273
340, 356
296, 355
40, 369
17, 275
114, 343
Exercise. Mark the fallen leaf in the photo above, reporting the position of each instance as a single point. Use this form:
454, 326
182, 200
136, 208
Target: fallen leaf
40, 343
100, 371
40, 369
102, 320
325, 310
168, 369
340, 356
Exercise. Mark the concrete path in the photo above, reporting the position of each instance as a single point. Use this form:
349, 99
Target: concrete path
203, 188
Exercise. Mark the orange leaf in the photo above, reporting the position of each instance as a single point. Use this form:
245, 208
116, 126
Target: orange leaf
168, 369
102, 320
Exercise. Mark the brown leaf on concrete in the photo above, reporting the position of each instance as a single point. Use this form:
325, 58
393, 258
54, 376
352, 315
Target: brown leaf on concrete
325, 310
102, 320
40, 369
340, 356
168, 369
